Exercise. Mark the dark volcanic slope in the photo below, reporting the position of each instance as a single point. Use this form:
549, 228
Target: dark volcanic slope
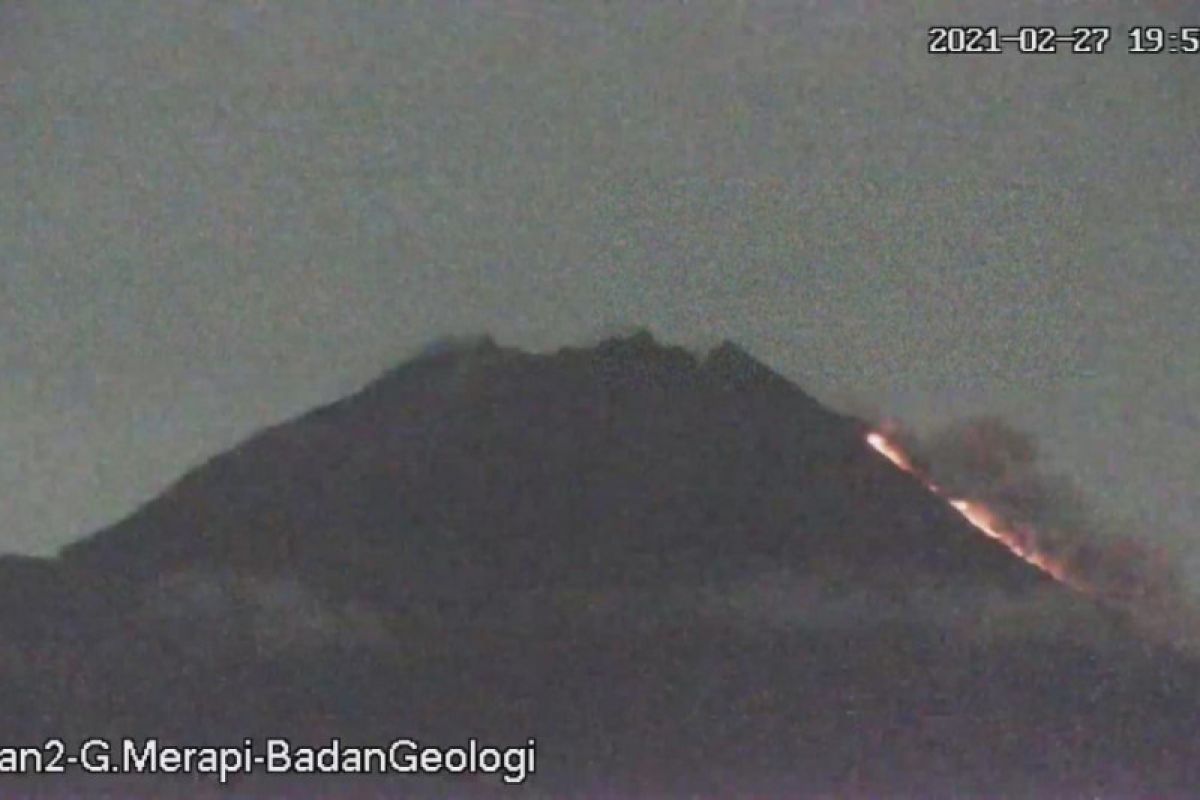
674, 572
626, 460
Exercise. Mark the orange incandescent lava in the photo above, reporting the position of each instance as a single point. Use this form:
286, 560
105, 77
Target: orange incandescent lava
1020, 542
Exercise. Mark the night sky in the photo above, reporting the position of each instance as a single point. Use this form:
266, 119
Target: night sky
217, 215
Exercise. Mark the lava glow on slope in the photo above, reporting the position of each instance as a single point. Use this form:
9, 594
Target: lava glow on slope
1019, 541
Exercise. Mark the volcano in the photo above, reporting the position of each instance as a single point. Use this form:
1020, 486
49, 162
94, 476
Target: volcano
679, 574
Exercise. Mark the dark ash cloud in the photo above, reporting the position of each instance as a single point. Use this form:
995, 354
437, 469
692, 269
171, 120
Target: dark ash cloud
986, 459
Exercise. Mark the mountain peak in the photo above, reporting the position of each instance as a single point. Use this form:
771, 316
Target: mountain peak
572, 454
496, 541
732, 361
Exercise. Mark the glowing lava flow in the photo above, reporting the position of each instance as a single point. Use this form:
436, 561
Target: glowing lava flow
981, 517
890, 451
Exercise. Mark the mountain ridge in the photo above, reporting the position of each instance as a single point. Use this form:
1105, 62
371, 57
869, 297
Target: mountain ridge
675, 570
409, 407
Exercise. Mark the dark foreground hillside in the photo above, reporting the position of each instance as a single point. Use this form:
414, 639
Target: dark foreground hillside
678, 574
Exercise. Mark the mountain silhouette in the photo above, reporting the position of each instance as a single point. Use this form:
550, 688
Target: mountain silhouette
679, 573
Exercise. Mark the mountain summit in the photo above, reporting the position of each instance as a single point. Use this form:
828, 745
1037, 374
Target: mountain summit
626, 459
678, 573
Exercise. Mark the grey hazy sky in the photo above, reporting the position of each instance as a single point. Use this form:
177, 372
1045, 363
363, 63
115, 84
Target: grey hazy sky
217, 214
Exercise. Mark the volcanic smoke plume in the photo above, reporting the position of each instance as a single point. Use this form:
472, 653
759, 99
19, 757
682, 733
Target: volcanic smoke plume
989, 471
